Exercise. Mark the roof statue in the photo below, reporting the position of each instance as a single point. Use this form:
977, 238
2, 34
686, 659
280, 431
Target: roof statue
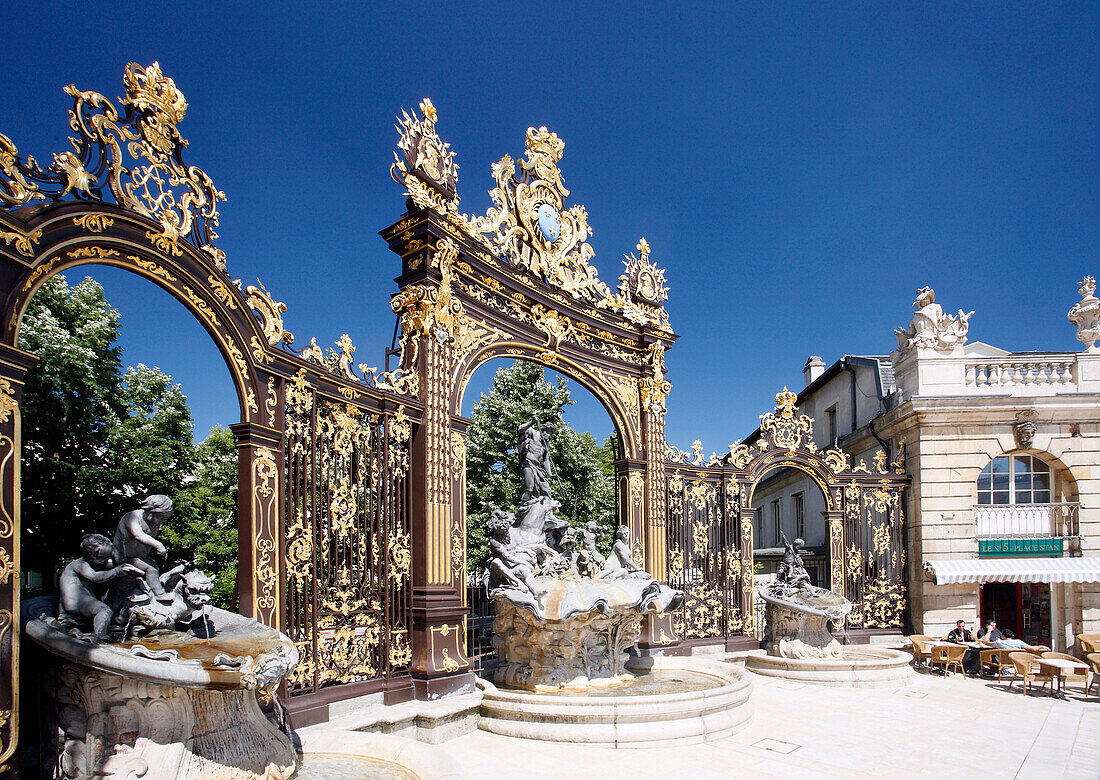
1085, 314
930, 328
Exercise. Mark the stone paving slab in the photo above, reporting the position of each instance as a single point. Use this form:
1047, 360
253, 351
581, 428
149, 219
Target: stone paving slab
933, 728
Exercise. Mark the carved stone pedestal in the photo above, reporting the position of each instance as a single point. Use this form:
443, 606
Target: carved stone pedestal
117, 727
796, 625
582, 650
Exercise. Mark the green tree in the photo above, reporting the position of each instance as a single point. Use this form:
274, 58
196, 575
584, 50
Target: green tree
97, 440
71, 401
518, 393
206, 514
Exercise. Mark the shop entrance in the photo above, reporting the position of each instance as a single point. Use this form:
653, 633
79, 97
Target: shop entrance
1022, 607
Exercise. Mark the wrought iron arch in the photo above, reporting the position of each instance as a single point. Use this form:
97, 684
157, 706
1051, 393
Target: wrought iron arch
611, 403
864, 512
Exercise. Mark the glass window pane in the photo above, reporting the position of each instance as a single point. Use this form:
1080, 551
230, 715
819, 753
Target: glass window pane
1021, 464
1000, 481
985, 498
1000, 497
1041, 482
1038, 466
1023, 496
984, 480
1023, 482
999, 465
1041, 497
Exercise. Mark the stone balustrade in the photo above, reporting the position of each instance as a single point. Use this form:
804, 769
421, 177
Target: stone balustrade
1041, 370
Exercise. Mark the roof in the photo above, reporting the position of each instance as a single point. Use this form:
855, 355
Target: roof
944, 572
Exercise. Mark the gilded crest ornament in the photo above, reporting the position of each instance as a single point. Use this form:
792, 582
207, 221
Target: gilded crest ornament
784, 429
136, 156
426, 166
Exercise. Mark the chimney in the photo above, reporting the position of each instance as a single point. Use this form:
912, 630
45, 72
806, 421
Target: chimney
814, 368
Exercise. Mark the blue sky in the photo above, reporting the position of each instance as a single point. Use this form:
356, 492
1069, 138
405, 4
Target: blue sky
799, 171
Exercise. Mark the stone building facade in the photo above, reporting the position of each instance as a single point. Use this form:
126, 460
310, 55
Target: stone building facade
1003, 514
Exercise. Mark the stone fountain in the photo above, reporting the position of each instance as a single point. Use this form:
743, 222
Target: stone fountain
798, 641
144, 678
565, 617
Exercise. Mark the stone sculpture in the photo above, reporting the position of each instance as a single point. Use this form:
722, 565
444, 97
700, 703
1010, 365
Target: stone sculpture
564, 613
797, 613
148, 679
930, 328
1085, 314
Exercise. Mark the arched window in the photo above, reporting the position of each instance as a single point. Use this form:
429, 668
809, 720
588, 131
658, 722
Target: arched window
1015, 479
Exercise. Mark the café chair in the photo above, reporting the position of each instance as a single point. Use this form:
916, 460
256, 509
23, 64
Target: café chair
1068, 676
1026, 668
1094, 662
921, 649
997, 658
948, 656
1090, 643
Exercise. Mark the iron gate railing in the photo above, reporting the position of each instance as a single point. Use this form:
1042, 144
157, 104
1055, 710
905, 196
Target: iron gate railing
347, 540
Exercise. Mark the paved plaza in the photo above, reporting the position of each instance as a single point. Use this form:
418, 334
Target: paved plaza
933, 727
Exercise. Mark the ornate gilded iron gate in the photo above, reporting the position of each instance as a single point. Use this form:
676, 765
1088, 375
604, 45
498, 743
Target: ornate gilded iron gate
710, 526
347, 539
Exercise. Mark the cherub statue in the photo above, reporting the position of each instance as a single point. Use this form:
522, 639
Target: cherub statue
621, 562
590, 561
80, 602
135, 543
510, 566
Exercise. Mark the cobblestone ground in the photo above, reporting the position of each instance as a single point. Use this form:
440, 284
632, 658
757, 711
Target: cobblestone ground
933, 727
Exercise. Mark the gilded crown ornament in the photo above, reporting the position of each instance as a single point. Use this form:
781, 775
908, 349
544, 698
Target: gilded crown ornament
135, 156
782, 427
426, 166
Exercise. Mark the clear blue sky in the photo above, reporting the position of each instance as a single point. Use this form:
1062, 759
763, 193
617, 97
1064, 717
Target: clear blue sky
799, 172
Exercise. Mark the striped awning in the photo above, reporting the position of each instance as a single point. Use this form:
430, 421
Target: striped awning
944, 572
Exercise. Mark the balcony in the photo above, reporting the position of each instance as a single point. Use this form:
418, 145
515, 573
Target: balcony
1023, 529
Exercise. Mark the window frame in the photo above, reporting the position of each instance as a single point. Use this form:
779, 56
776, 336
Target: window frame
1001, 481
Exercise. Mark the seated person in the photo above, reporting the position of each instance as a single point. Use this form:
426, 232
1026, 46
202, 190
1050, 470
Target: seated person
990, 633
960, 633
1010, 642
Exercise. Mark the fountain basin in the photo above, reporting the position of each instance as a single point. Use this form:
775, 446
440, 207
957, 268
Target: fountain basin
859, 666
333, 755
713, 704
168, 706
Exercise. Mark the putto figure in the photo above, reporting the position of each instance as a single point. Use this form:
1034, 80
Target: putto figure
136, 543
82, 583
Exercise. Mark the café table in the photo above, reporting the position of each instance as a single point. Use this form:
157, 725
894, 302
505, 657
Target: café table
1058, 667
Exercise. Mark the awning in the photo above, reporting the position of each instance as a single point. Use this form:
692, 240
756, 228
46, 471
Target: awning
944, 572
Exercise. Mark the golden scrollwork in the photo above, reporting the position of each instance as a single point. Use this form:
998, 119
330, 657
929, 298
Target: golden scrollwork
137, 157
271, 313
426, 165
854, 563
883, 603
400, 556
7, 567
23, 242
881, 498
154, 269
458, 453
8, 403
702, 610
93, 223
740, 455
554, 325
837, 460
782, 427
675, 561
636, 483
400, 650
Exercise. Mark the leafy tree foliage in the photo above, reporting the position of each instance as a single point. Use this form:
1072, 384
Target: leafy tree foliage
586, 485
206, 514
97, 439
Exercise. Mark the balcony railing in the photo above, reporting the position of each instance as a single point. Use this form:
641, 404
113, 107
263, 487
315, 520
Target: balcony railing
1027, 521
